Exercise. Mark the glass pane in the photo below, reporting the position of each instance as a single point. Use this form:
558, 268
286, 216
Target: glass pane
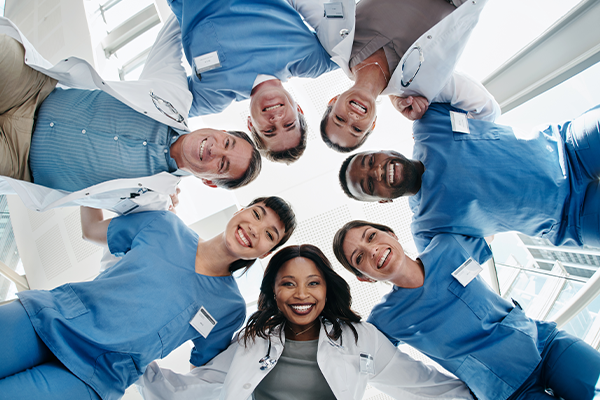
9, 254
138, 45
526, 287
580, 324
124, 10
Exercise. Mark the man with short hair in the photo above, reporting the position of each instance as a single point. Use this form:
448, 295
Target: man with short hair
82, 137
241, 49
474, 177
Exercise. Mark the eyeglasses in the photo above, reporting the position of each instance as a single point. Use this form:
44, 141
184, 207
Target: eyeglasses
421, 59
171, 112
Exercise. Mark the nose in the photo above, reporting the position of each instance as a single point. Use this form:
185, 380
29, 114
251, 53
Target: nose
376, 172
252, 230
301, 292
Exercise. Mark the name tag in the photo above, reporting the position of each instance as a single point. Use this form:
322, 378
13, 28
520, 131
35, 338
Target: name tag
460, 122
203, 322
366, 364
467, 271
124, 207
334, 10
206, 62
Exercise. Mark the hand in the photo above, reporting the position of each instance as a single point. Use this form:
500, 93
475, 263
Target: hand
412, 107
174, 200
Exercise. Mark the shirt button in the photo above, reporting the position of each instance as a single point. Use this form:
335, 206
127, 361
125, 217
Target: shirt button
116, 138
429, 36
51, 124
83, 131
247, 386
344, 33
166, 151
145, 143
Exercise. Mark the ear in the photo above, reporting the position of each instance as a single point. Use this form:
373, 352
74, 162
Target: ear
365, 279
208, 183
264, 255
332, 101
299, 109
386, 201
250, 123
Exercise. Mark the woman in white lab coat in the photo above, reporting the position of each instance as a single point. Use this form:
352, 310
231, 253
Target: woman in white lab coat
304, 342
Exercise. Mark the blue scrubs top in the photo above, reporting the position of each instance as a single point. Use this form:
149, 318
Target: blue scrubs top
471, 331
251, 38
108, 330
488, 181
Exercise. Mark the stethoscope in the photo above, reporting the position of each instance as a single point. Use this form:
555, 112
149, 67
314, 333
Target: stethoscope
421, 59
171, 110
266, 363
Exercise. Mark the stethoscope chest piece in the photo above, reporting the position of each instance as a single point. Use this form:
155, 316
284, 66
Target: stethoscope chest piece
266, 363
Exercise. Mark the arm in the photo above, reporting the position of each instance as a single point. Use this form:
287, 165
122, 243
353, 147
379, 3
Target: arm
397, 374
93, 225
463, 92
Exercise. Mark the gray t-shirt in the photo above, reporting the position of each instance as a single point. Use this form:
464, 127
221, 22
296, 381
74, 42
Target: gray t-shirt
296, 375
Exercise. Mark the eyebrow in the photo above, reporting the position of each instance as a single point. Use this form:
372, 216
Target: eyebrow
361, 238
264, 212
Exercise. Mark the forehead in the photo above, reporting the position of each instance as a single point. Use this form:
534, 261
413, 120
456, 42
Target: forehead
298, 267
341, 135
284, 139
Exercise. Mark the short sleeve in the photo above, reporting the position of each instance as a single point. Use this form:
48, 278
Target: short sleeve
123, 230
218, 339
450, 251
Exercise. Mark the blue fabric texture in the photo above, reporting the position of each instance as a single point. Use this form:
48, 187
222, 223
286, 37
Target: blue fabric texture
85, 137
471, 331
108, 330
251, 38
488, 181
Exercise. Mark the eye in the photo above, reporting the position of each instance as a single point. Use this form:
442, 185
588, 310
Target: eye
371, 236
227, 143
256, 214
287, 284
291, 124
359, 259
270, 130
371, 160
358, 130
339, 118
222, 164
314, 283
270, 236
370, 186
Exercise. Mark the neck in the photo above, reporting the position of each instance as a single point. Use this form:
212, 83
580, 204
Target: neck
372, 74
265, 84
175, 151
213, 258
414, 275
302, 333
417, 184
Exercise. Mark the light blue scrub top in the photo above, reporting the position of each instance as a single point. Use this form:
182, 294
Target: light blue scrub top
108, 330
488, 181
251, 38
471, 331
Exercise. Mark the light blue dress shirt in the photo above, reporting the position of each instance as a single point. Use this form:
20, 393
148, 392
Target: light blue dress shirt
85, 137
251, 38
108, 330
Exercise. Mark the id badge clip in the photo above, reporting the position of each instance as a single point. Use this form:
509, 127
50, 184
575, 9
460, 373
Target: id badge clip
467, 271
460, 122
366, 364
206, 62
203, 322
334, 10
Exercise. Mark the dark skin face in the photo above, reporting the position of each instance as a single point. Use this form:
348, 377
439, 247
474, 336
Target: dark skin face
383, 175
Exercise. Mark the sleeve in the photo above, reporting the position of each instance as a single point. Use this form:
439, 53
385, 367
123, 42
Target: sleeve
218, 339
208, 101
465, 93
448, 251
123, 230
400, 376
202, 383
310, 10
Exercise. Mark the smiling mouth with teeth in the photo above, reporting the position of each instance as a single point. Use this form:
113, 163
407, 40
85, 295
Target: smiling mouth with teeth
202, 149
302, 309
391, 169
242, 237
359, 107
383, 258
272, 107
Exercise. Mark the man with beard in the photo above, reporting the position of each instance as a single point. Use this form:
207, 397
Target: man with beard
476, 178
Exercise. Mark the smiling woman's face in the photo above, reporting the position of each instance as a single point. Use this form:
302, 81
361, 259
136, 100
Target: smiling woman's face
300, 292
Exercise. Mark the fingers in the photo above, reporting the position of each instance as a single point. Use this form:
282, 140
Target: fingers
174, 200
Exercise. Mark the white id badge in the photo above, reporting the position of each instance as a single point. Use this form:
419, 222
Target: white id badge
203, 322
206, 62
467, 271
460, 122
334, 10
124, 207
366, 364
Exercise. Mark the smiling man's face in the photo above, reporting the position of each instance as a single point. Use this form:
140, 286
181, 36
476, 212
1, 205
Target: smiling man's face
352, 115
383, 175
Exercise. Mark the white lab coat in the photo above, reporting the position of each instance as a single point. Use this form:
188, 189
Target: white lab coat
163, 74
235, 373
442, 45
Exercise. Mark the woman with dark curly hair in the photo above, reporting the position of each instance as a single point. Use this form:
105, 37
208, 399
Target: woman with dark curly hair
304, 342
